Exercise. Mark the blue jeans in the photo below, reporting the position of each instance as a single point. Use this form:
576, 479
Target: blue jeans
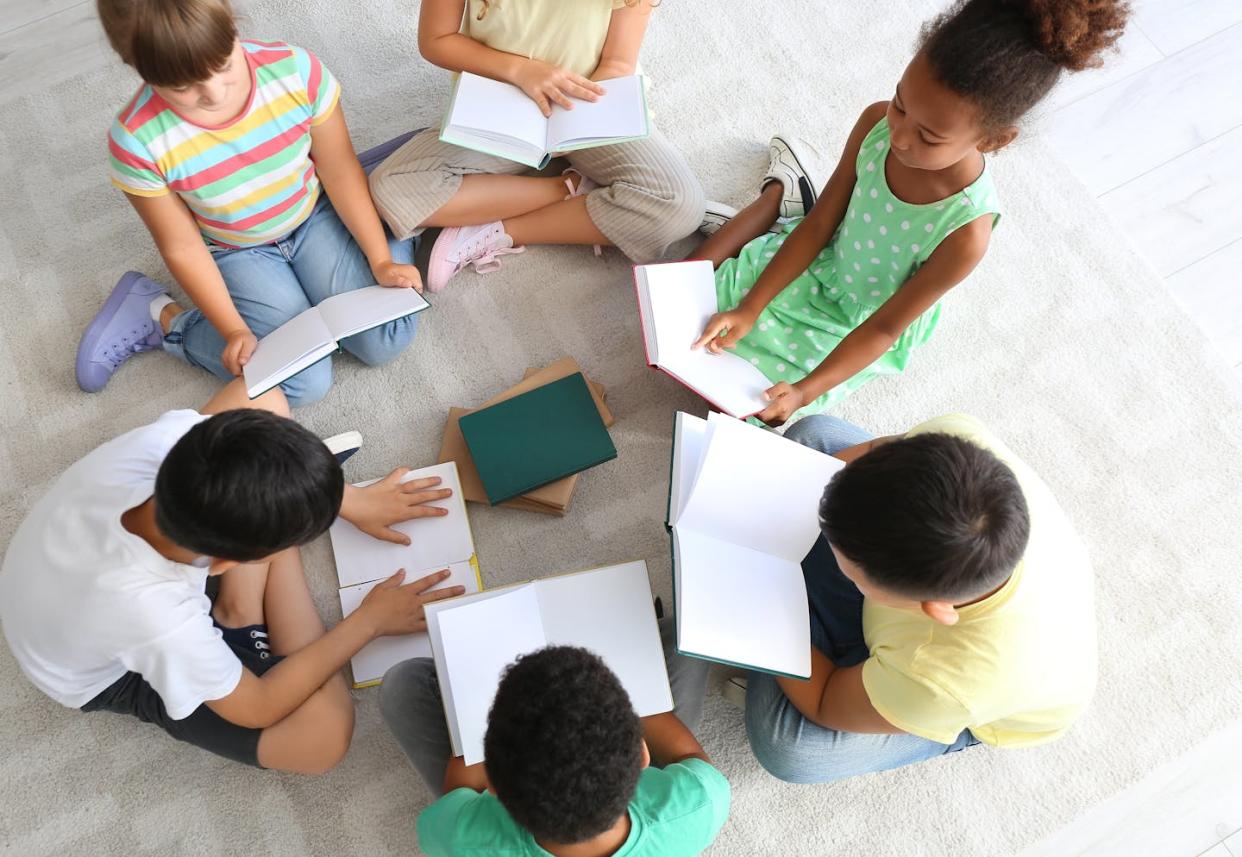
788, 745
272, 283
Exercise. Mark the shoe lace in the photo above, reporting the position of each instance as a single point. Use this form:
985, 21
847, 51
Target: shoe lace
484, 262
131, 343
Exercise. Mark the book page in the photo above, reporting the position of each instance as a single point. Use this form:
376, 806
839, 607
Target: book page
756, 489
479, 640
621, 112
740, 606
498, 110
682, 297
609, 612
689, 444
288, 349
362, 309
435, 542
374, 659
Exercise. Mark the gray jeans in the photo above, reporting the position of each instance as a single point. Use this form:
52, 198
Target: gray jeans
410, 703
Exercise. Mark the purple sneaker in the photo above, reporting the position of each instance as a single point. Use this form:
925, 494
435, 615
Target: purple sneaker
122, 328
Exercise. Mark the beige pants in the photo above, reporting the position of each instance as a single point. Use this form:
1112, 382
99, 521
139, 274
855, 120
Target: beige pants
647, 197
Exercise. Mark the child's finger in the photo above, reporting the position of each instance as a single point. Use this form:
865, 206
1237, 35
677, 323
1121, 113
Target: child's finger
562, 99
418, 484
388, 534
424, 583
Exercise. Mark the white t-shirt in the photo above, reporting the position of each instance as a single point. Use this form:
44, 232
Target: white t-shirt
84, 601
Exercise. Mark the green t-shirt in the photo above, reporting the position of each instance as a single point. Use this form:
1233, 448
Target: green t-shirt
675, 811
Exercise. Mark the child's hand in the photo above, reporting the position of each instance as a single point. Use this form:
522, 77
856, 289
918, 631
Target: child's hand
786, 398
547, 84
725, 330
238, 346
389, 273
395, 609
375, 508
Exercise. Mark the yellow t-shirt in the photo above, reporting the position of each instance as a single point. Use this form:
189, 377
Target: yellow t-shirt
567, 33
1018, 667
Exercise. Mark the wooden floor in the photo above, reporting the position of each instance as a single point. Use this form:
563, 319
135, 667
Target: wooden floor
1157, 136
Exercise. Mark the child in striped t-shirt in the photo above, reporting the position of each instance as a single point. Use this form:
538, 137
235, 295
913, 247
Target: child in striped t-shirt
236, 157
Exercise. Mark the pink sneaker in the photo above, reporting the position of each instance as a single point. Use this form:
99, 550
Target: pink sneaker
586, 184
459, 246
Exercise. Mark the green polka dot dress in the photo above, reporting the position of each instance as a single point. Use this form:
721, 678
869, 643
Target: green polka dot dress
880, 243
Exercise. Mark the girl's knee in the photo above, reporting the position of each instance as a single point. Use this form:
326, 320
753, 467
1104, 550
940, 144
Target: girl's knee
310, 385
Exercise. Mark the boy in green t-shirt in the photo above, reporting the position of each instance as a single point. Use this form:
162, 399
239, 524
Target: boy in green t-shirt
570, 770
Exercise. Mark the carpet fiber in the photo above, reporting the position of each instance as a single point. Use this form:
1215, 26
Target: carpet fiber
1063, 342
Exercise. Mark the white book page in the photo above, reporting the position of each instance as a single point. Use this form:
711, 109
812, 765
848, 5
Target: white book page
374, 659
288, 349
479, 640
362, 309
435, 542
682, 296
689, 445
741, 606
609, 612
757, 489
492, 109
620, 112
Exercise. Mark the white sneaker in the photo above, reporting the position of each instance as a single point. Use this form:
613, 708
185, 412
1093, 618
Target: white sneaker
785, 167
718, 214
343, 445
734, 691
459, 246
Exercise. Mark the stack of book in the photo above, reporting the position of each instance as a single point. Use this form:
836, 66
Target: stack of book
524, 448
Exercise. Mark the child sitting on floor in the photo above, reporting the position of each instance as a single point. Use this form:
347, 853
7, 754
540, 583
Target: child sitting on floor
236, 156
830, 300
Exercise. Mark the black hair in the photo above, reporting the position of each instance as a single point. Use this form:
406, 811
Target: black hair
932, 517
563, 745
1006, 55
245, 484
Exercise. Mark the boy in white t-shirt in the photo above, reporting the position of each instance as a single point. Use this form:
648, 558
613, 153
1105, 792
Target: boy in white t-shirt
102, 588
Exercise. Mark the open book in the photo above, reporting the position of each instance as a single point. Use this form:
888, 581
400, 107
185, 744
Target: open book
362, 561
743, 509
606, 610
675, 300
500, 119
312, 335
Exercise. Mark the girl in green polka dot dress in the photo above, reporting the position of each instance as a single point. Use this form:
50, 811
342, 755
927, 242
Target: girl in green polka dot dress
829, 300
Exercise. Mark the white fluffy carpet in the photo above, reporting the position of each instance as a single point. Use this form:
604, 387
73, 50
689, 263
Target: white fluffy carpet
1063, 341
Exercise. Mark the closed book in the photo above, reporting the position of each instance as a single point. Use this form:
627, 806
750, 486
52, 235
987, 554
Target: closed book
536, 438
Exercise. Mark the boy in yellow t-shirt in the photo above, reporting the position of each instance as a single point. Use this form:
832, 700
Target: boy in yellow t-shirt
951, 604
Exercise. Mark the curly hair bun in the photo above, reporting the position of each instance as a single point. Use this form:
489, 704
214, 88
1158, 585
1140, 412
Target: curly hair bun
1074, 33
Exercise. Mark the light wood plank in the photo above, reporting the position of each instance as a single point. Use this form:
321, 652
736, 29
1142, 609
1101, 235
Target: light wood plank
1208, 291
52, 50
1134, 53
1132, 126
19, 13
1184, 808
1175, 25
1185, 210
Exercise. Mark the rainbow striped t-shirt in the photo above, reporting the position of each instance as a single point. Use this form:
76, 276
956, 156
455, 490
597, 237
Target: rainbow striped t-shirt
248, 182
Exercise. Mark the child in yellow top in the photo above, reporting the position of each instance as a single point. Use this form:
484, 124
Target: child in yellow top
638, 196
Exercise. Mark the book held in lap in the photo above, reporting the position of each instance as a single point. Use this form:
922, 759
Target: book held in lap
436, 542
605, 610
675, 301
312, 335
500, 119
743, 511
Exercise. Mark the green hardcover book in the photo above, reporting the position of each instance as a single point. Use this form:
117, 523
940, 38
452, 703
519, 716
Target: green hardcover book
536, 438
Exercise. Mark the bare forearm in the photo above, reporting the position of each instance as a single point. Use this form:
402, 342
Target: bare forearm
669, 740
346, 186
194, 269
794, 257
856, 352
807, 695
291, 682
459, 52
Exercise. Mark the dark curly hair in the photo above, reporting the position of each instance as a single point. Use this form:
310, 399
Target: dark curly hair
1006, 55
246, 484
563, 745
931, 517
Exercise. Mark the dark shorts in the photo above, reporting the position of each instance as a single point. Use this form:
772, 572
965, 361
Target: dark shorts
130, 694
